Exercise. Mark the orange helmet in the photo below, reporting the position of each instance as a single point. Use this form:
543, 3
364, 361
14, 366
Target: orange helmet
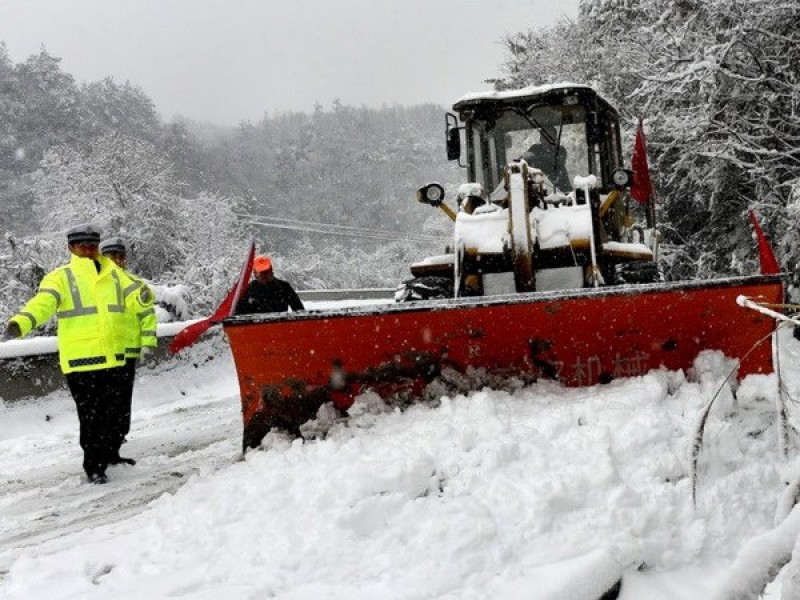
261, 264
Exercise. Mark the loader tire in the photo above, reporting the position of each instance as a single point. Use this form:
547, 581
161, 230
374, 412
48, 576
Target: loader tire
424, 288
637, 272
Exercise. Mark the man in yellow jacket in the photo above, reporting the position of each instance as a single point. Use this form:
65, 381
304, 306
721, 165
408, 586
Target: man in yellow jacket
92, 299
141, 334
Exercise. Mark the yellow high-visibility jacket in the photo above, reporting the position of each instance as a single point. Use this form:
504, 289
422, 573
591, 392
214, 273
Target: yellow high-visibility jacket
93, 310
141, 327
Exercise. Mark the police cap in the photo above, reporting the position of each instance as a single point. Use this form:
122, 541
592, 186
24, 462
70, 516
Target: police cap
83, 234
113, 244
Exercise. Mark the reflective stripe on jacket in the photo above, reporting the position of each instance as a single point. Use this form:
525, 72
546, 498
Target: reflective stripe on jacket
91, 307
141, 320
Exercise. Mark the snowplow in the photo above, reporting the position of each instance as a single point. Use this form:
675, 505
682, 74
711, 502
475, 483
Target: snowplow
551, 274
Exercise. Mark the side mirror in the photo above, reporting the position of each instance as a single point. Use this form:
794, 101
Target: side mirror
453, 144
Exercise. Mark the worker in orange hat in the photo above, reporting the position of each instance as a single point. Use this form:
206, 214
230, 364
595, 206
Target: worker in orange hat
267, 293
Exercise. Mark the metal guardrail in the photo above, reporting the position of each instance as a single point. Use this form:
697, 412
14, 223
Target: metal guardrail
353, 294
29, 367
43, 345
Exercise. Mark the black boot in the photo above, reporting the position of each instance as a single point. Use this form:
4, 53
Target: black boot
95, 470
97, 477
121, 460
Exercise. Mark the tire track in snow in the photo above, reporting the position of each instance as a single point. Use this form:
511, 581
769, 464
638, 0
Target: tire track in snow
171, 443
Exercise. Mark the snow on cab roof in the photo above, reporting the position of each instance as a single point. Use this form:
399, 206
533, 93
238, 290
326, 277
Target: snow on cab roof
522, 92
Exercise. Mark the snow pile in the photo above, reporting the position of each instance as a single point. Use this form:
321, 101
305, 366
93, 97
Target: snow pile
172, 302
539, 492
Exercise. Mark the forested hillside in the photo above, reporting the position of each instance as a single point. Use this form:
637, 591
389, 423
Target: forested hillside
716, 81
330, 194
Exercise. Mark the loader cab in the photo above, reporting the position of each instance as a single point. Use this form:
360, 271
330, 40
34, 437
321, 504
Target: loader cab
568, 129
546, 164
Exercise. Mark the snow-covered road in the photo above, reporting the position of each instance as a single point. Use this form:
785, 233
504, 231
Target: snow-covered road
186, 420
181, 426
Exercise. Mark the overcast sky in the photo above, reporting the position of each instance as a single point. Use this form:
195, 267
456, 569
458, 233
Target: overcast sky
231, 60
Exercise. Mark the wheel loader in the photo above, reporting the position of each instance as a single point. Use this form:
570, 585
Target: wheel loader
551, 274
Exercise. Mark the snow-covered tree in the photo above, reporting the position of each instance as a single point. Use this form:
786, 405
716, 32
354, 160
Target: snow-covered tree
107, 106
124, 186
213, 245
723, 93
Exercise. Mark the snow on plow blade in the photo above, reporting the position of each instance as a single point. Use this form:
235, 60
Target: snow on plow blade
290, 364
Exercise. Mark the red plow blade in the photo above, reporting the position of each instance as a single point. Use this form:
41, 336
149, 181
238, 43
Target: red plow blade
290, 364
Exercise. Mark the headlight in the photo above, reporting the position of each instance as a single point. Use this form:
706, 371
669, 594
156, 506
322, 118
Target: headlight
432, 194
621, 178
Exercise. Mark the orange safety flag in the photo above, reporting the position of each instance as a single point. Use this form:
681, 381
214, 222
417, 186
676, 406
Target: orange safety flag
769, 264
642, 188
190, 334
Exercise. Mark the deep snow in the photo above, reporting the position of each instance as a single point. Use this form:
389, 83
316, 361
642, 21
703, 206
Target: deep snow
530, 492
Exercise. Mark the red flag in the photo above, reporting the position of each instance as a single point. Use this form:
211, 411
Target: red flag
642, 188
769, 264
190, 334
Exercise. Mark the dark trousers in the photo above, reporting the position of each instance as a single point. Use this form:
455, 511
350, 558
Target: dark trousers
125, 411
100, 397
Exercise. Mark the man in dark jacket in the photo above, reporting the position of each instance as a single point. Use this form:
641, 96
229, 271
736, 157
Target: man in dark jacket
266, 293
550, 156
